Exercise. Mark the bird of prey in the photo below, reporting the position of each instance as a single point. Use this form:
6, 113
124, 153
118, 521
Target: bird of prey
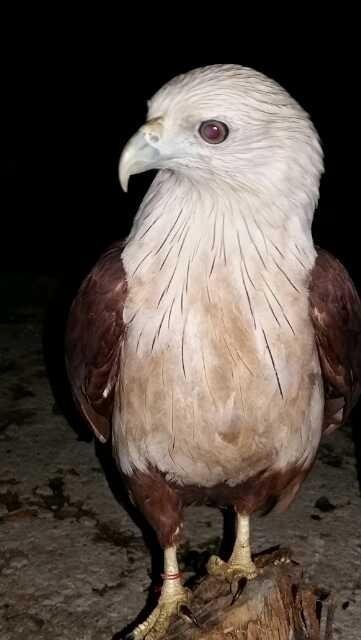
216, 344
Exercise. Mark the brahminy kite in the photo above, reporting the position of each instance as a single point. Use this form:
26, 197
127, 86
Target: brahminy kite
216, 344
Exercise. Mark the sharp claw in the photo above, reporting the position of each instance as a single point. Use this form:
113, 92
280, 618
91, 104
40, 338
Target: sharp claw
234, 589
186, 613
240, 585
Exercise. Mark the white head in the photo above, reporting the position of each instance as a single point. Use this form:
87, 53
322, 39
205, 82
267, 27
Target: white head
229, 124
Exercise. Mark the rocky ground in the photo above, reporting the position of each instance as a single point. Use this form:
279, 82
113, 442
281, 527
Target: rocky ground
73, 563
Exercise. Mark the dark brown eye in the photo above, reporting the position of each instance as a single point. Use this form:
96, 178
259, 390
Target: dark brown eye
213, 131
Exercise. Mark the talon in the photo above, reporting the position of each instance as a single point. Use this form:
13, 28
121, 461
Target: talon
215, 566
231, 571
240, 585
185, 612
174, 600
157, 624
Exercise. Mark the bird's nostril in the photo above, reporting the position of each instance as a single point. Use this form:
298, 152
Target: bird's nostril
153, 137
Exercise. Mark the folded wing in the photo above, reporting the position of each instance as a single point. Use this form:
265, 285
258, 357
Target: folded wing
94, 338
336, 316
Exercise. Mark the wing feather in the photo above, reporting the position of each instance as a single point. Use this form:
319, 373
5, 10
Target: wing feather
336, 317
94, 338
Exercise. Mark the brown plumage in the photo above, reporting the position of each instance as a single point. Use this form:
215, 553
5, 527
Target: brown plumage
94, 337
336, 316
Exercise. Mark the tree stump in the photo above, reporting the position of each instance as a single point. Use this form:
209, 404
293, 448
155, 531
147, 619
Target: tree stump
277, 605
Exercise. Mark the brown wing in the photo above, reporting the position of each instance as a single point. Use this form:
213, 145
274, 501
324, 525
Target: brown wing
336, 316
94, 337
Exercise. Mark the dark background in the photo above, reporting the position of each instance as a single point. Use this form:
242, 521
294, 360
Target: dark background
79, 91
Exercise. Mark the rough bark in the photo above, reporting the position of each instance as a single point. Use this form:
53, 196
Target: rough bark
277, 605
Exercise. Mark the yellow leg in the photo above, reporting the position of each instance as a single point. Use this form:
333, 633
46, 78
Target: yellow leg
173, 598
240, 563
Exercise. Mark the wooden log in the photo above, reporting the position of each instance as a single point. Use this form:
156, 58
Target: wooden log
277, 605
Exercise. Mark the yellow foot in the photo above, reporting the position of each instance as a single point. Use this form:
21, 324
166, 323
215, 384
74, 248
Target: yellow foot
231, 571
157, 624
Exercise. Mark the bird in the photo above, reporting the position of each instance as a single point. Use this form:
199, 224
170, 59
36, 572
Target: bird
216, 344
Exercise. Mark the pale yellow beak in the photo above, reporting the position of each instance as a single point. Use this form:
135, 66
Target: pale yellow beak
141, 152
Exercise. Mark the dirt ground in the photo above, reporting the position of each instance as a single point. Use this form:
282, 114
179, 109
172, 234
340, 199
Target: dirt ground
73, 563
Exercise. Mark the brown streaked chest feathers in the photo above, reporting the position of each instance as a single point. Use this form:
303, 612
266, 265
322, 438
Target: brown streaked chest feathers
219, 370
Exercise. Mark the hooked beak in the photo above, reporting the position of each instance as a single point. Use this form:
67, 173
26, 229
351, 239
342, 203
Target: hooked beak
141, 152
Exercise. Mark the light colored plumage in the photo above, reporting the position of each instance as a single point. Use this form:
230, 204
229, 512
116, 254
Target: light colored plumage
220, 374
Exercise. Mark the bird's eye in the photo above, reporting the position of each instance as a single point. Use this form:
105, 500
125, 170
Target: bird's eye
213, 131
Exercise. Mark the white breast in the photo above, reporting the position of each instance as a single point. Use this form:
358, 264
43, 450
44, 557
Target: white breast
219, 368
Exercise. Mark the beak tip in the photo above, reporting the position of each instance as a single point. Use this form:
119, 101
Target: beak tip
137, 156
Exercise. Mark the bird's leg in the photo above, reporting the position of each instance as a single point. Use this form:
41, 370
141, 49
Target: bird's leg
240, 563
174, 600
241, 554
